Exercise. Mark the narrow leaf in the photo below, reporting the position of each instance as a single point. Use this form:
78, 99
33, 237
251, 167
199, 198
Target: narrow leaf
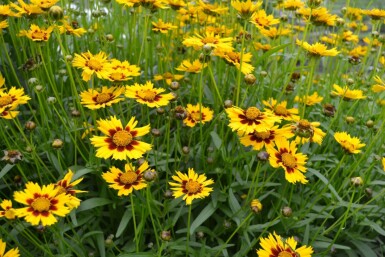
202, 217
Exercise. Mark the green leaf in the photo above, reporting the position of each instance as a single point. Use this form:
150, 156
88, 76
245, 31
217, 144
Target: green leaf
93, 203
216, 139
101, 244
5, 170
202, 217
271, 52
325, 245
91, 233
364, 248
374, 226
123, 223
143, 254
326, 181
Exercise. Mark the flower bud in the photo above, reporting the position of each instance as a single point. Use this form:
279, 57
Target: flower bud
287, 211
30, 125
110, 37
263, 156
185, 149
228, 103
370, 124
150, 175
155, 132
56, 12
329, 110
57, 143
250, 79
51, 100
256, 206
165, 235
174, 85
349, 119
356, 181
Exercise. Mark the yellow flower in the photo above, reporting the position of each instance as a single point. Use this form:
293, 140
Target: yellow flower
318, 16
383, 163
35, 33
317, 49
44, 4
10, 100
6, 11
375, 14
176, 4
261, 20
209, 40
162, 27
191, 186
273, 32
122, 71
234, 58
212, 9
195, 67
69, 30
8, 212
347, 94
28, 9
197, 114
306, 131
260, 46
120, 142
11, 253
280, 110
285, 155
348, 143
168, 77
380, 87
354, 13
309, 100
275, 246
128, 180
3, 25
148, 95
93, 64
359, 51
67, 187
96, 98
292, 5
43, 203
245, 8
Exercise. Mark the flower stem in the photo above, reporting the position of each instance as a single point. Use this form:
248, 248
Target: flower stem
188, 229
134, 219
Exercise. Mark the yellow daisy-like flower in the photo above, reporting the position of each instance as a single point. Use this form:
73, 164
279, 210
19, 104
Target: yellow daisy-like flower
285, 155
120, 142
261, 20
317, 49
122, 71
168, 77
197, 114
263, 47
128, 180
309, 100
210, 40
8, 212
96, 98
347, 94
280, 110
66, 28
65, 186
11, 253
318, 16
245, 8
212, 9
276, 246
380, 87
358, 51
191, 186
28, 9
35, 33
234, 58
3, 25
148, 95
129, 3
43, 204
44, 4
6, 11
162, 27
10, 100
375, 14
250, 120
194, 67
292, 5
176, 4
348, 143
93, 64
306, 131
354, 13
258, 140
273, 32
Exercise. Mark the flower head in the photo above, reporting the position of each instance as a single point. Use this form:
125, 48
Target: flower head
195, 67
347, 94
209, 39
280, 110
261, 20
197, 114
240, 60
148, 95
306, 131
317, 49
35, 33
67, 187
128, 180
309, 100
191, 186
93, 64
10, 100
162, 27
122, 71
168, 77
276, 246
348, 143
101, 98
43, 204
7, 212
11, 253
245, 8
380, 87
120, 142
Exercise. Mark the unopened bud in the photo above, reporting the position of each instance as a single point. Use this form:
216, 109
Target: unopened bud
56, 12
57, 143
165, 235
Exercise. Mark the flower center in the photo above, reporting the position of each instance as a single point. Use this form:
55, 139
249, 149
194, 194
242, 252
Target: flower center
41, 204
5, 100
38, 35
234, 57
148, 95
195, 116
262, 135
285, 254
304, 124
280, 110
193, 187
210, 40
94, 65
252, 113
128, 177
167, 75
103, 98
122, 138
289, 160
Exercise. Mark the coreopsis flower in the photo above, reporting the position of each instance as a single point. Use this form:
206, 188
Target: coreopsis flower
168, 77
10, 100
44, 4
195, 67
256, 206
375, 14
68, 29
100, 98
380, 87
129, 3
275, 246
280, 110
273, 32
197, 114
26, 9
212, 9
43, 204
306, 131
219, 30
11, 253
317, 49
12, 156
3, 25
176, 4
318, 16
250, 120
285, 155
7, 212
65, 186
128, 180
263, 47
120, 142
261, 20
347, 94
292, 5
153, 4
93, 64
310, 99
358, 51
123, 71
35, 33
245, 8
148, 95
6, 11
191, 186
348, 143
240, 60
374, 42
162, 27
209, 40
258, 140
354, 14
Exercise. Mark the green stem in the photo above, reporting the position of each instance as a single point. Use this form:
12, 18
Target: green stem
188, 229
134, 219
